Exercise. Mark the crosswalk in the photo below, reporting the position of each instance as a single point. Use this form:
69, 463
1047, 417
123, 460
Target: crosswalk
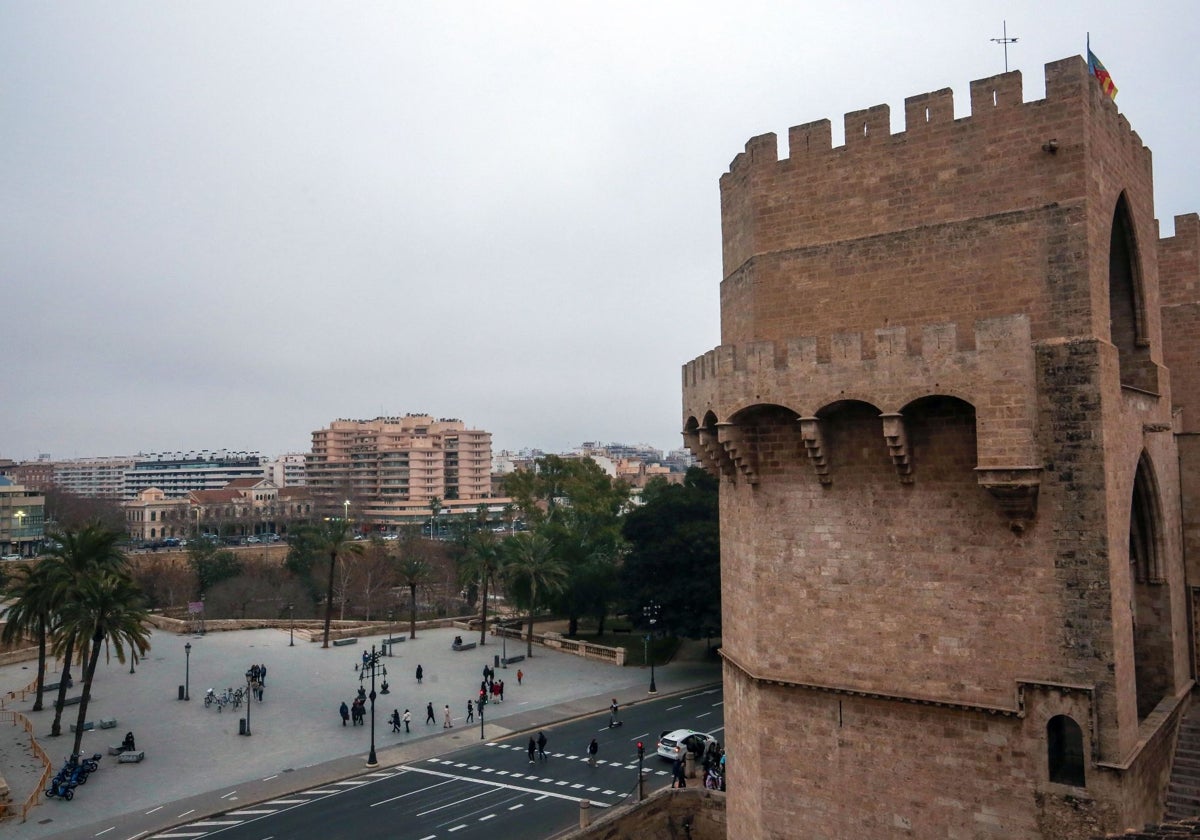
543, 781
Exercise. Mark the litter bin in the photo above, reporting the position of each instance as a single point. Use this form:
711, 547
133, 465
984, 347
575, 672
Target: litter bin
496, 661
241, 726
180, 692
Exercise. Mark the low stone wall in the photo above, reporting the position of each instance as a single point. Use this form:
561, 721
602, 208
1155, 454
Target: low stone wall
694, 813
556, 641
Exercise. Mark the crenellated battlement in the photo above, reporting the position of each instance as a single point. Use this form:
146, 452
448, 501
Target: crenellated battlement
999, 96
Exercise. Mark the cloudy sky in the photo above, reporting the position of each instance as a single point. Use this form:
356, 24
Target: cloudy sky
224, 224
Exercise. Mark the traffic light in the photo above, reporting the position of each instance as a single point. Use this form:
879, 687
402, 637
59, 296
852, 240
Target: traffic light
641, 750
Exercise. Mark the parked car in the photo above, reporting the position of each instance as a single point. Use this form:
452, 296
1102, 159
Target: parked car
11, 557
674, 743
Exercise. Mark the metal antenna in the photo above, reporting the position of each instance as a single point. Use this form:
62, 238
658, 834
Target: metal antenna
1005, 41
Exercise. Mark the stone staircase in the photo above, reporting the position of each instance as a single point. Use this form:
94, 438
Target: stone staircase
1183, 794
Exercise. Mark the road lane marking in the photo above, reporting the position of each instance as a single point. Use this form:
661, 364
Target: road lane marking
208, 823
287, 802
105, 831
456, 828
454, 804
185, 813
486, 818
159, 808
253, 813
231, 793
182, 834
673, 708
269, 778
703, 714
410, 793
539, 795
515, 807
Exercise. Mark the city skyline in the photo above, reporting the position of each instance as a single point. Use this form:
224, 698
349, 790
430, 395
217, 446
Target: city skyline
228, 225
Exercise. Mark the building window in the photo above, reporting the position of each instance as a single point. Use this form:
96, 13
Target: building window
1064, 744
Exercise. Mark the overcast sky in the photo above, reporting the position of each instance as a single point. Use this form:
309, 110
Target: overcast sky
225, 224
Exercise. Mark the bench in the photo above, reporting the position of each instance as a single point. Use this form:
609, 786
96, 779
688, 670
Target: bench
108, 723
131, 756
510, 660
344, 642
88, 726
73, 701
463, 646
394, 639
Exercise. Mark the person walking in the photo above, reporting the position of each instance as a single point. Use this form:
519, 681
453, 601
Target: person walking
395, 720
520, 676
344, 711
447, 721
612, 714
262, 675
500, 689
420, 674
470, 711
678, 778
532, 749
407, 721
429, 716
592, 749
541, 745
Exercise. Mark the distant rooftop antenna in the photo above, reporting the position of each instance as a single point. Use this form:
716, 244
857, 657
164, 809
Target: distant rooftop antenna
1005, 41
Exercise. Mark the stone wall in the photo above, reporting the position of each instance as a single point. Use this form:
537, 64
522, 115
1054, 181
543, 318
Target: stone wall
693, 813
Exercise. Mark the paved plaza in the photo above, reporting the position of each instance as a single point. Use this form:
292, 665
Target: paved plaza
296, 735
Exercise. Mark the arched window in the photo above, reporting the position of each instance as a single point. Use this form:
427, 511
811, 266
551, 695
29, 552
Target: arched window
1126, 309
1064, 748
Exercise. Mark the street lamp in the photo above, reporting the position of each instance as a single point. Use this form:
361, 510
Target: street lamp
203, 629
480, 710
20, 529
187, 671
651, 612
291, 625
249, 697
371, 661
346, 510
390, 644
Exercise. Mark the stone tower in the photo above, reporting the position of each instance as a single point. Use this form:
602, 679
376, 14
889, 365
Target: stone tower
955, 599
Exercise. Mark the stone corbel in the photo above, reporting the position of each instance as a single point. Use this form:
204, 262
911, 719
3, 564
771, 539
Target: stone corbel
740, 451
714, 453
814, 445
1016, 489
691, 439
897, 444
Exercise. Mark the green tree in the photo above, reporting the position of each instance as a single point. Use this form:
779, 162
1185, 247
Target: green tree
331, 538
31, 591
533, 572
480, 563
413, 572
108, 611
674, 555
211, 563
78, 556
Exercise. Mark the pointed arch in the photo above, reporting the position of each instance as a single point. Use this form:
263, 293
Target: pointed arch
1127, 325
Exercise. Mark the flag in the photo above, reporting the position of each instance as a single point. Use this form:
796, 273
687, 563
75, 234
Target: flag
1102, 75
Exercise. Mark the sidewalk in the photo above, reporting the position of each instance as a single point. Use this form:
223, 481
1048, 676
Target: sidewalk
297, 738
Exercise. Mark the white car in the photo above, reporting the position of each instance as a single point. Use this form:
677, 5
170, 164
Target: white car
675, 743
11, 557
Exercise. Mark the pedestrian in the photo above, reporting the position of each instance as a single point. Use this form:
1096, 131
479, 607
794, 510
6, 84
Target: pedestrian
532, 748
366, 658
395, 720
407, 720
592, 749
362, 694
259, 690
612, 714
520, 676
677, 774
470, 712
262, 675
447, 721
541, 745
429, 716
495, 693
501, 689
344, 711
420, 674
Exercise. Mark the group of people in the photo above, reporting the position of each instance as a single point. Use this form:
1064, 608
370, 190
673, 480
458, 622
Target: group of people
356, 712
256, 676
537, 748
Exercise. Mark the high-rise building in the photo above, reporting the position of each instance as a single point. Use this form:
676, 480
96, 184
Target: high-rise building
390, 468
178, 474
97, 478
22, 516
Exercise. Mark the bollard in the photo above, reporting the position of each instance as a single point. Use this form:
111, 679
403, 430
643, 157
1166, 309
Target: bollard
496, 661
585, 813
180, 692
689, 766
241, 726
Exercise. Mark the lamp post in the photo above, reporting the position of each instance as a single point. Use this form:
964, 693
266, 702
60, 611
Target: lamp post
346, 510
20, 529
187, 671
503, 645
372, 662
203, 629
650, 612
391, 632
480, 710
249, 698
291, 625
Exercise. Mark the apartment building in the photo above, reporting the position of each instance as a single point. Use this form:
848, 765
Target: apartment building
391, 468
22, 518
96, 478
178, 474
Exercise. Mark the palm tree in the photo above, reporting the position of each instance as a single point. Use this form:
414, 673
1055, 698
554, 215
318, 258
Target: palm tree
331, 537
107, 610
414, 572
29, 614
535, 570
480, 562
78, 556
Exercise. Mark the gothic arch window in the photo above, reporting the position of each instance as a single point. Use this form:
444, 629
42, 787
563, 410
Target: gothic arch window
1144, 518
1126, 301
1064, 749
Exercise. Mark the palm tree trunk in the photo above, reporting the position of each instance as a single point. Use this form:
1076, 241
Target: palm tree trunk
89, 671
532, 606
412, 611
483, 628
56, 727
41, 679
329, 597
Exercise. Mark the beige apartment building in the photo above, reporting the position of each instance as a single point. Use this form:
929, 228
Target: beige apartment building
22, 517
389, 469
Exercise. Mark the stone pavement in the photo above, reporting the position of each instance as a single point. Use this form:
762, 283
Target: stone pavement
297, 738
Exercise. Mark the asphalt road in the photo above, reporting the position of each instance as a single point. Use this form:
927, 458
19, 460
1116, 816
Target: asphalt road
485, 790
